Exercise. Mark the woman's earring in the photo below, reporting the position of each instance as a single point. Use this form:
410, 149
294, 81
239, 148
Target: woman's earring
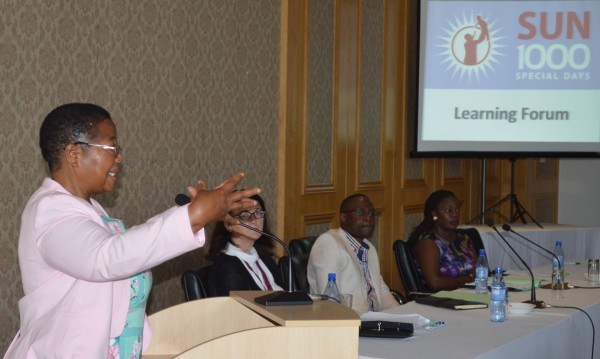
435, 218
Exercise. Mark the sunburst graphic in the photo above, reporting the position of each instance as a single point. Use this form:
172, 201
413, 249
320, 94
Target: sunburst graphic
471, 46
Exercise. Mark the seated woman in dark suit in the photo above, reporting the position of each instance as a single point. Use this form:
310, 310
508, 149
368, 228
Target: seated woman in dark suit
444, 256
242, 259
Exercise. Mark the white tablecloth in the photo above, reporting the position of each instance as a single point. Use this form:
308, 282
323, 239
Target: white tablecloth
546, 333
577, 242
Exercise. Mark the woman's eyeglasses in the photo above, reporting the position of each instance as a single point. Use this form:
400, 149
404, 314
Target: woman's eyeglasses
117, 150
247, 215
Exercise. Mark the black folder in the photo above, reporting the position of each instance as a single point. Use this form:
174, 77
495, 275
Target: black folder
385, 329
450, 303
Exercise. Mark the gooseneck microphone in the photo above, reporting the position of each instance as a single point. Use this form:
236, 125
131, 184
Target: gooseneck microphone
290, 297
508, 228
538, 303
285, 247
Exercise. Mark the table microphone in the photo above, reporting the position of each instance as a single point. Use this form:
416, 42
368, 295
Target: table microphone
538, 303
508, 228
277, 298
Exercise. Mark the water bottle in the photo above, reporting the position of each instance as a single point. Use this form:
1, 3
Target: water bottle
558, 251
481, 274
498, 298
331, 290
558, 271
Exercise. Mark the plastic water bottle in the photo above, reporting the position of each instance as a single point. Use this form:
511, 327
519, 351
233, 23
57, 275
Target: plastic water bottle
331, 290
558, 251
558, 271
498, 298
481, 273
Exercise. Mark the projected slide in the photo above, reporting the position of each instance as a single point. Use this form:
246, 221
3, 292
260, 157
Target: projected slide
509, 76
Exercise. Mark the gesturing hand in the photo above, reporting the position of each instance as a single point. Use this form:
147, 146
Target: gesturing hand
214, 205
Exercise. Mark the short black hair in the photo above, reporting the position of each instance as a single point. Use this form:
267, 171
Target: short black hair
346, 202
69, 123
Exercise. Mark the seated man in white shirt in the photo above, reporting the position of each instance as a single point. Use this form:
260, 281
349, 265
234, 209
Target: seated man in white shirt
347, 253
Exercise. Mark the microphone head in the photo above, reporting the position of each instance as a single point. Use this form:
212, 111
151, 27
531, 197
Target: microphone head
182, 199
506, 227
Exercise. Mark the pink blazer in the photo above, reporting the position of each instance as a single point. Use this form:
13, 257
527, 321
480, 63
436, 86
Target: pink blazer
75, 272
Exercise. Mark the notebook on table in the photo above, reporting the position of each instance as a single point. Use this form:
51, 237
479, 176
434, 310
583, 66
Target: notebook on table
455, 300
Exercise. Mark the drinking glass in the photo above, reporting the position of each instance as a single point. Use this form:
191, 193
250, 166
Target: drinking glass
346, 299
558, 284
594, 271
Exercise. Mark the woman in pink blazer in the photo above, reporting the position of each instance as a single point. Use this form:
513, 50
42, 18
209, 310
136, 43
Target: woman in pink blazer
85, 277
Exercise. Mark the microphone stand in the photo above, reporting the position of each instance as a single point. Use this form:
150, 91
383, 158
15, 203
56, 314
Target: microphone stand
508, 228
538, 303
281, 298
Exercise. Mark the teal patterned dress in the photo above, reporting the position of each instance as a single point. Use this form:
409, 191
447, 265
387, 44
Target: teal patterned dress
128, 345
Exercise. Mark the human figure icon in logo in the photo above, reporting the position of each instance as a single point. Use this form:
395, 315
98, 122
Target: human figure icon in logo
471, 43
483, 26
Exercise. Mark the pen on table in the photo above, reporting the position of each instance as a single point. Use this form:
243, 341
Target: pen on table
573, 263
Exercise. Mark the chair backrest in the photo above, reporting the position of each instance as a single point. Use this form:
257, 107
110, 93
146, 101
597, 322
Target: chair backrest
195, 283
407, 268
300, 249
302, 245
299, 274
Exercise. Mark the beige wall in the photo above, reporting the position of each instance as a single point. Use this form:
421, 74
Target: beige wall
192, 86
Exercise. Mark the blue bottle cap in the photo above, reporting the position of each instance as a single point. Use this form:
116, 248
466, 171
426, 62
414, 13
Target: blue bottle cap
482, 252
331, 276
559, 243
499, 270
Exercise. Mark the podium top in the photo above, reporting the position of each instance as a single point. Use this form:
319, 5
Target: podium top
323, 313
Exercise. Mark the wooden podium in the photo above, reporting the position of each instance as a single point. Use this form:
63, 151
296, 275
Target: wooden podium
236, 327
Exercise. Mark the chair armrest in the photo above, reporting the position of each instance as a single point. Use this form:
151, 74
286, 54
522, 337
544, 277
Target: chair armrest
398, 296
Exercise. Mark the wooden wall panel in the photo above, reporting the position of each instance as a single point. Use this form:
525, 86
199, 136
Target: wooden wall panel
405, 182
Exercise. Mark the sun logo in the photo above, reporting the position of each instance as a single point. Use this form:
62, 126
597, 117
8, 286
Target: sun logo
470, 46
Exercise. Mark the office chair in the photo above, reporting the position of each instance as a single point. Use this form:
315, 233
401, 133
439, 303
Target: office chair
195, 283
406, 267
300, 249
302, 245
299, 276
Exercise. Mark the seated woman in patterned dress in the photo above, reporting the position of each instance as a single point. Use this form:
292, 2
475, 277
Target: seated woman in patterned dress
445, 258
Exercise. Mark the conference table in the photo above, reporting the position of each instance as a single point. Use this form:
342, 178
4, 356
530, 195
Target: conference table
545, 333
577, 242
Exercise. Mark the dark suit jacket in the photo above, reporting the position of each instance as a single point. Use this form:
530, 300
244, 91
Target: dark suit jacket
229, 273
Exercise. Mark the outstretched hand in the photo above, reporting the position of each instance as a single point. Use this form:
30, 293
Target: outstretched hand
214, 205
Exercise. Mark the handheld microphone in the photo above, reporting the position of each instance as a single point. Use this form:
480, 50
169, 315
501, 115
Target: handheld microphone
277, 298
508, 228
182, 199
538, 303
